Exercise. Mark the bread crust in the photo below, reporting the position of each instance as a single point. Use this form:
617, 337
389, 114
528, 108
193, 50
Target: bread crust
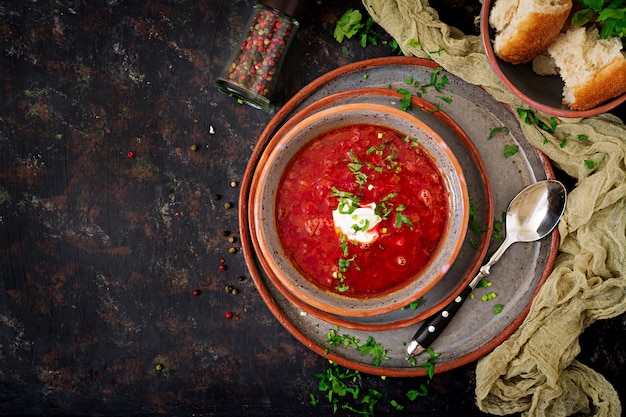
606, 84
533, 36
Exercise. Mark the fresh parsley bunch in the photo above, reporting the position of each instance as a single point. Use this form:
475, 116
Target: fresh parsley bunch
610, 16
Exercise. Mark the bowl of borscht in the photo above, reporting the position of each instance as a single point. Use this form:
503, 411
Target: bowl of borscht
358, 209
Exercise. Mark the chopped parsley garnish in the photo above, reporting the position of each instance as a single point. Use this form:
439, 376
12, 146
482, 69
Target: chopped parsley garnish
498, 228
437, 82
370, 347
401, 218
592, 164
529, 117
343, 194
405, 102
498, 129
348, 25
342, 389
510, 150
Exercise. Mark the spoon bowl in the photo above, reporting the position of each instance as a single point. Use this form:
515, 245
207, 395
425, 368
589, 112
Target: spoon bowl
534, 213
531, 215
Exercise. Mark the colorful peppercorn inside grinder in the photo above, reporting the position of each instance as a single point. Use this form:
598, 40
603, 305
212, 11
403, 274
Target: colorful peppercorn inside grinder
252, 74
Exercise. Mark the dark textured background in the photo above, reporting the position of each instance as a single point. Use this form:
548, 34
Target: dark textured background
100, 253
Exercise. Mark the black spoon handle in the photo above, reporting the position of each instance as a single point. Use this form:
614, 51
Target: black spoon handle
435, 324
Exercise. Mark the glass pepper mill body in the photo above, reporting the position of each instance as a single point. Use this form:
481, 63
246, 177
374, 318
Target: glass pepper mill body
253, 71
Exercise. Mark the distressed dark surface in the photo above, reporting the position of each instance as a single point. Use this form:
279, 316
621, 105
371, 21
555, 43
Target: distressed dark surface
100, 253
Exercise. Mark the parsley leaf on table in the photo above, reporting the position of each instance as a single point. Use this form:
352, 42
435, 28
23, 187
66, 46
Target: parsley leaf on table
348, 25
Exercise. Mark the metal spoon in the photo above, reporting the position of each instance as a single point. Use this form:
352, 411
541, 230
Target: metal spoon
531, 216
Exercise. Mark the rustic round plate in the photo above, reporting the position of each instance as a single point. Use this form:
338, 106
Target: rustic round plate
475, 245
476, 330
287, 143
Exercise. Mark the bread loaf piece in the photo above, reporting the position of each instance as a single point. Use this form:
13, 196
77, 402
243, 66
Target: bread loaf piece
593, 69
525, 28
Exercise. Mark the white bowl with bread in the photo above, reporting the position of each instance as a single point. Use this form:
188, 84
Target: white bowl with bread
548, 62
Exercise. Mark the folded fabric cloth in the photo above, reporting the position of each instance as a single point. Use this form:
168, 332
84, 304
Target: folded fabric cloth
535, 371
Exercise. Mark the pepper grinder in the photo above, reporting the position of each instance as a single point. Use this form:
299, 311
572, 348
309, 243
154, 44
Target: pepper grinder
253, 71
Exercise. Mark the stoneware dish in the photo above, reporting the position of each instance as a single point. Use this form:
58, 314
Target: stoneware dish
539, 91
285, 145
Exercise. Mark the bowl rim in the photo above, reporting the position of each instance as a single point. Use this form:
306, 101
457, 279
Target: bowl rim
371, 306
494, 62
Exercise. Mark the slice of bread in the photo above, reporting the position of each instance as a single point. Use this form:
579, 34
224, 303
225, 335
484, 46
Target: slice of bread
593, 69
525, 28
543, 64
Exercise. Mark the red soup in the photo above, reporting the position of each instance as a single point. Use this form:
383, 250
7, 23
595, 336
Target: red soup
361, 210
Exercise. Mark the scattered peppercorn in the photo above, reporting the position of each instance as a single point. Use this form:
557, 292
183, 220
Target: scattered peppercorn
222, 260
231, 239
232, 250
130, 154
158, 367
228, 315
222, 267
216, 197
231, 290
194, 147
233, 184
197, 292
228, 205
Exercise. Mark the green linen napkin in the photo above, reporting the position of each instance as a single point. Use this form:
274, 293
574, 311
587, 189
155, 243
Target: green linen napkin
535, 371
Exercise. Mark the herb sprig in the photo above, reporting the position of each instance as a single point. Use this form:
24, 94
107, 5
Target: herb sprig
610, 16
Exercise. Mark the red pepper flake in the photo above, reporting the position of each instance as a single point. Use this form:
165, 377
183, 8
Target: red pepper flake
222, 260
228, 315
197, 292
130, 154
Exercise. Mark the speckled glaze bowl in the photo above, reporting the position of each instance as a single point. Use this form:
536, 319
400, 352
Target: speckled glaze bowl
543, 92
262, 207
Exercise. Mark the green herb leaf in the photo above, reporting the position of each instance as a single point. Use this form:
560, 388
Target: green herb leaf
498, 129
405, 102
343, 194
397, 406
348, 25
413, 394
497, 309
402, 219
609, 16
413, 43
510, 150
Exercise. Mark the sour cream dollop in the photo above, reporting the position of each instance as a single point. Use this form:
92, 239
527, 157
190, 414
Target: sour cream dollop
357, 223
